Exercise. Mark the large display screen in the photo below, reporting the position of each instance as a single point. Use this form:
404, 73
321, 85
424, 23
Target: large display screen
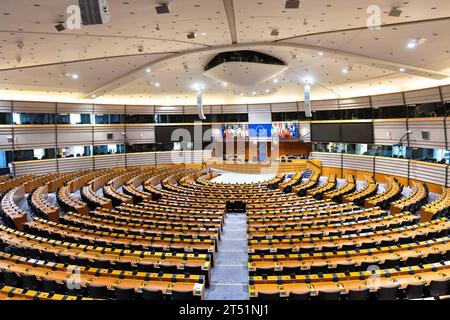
233, 130
260, 130
285, 130
355, 132
325, 132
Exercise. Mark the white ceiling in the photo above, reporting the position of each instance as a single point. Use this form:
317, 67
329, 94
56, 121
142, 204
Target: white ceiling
109, 65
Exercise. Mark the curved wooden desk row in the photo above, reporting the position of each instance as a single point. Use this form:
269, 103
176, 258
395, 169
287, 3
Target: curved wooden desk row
10, 211
318, 191
442, 204
151, 210
73, 253
295, 244
67, 275
337, 217
369, 225
337, 194
68, 203
310, 183
292, 182
392, 193
9, 184
413, 201
158, 220
125, 240
11, 293
358, 197
93, 223
343, 284
433, 250
38, 202
308, 210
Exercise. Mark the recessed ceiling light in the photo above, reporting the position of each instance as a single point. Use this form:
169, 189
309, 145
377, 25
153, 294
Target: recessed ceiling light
345, 70
411, 44
148, 70
93, 96
157, 84
308, 80
254, 93
267, 90
320, 53
275, 80
198, 87
74, 76
225, 84
204, 34
402, 69
241, 94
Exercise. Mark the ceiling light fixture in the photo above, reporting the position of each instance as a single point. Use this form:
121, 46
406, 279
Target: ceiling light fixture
157, 84
411, 44
402, 69
148, 70
320, 53
275, 80
347, 70
308, 80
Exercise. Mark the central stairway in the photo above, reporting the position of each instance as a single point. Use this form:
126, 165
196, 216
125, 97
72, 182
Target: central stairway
229, 279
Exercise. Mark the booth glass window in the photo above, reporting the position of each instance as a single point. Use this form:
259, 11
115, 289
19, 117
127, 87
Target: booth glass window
33, 118
75, 152
168, 118
140, 118
235, 117
5, 118
109, 149
390, 112
356, 114
326, 115
427, 110
73, 118
109, 119
285, 116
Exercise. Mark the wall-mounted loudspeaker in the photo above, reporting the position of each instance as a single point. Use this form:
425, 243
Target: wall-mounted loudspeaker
94, 12
426, 135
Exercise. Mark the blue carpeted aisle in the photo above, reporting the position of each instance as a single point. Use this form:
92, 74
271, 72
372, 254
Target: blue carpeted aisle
229, 279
